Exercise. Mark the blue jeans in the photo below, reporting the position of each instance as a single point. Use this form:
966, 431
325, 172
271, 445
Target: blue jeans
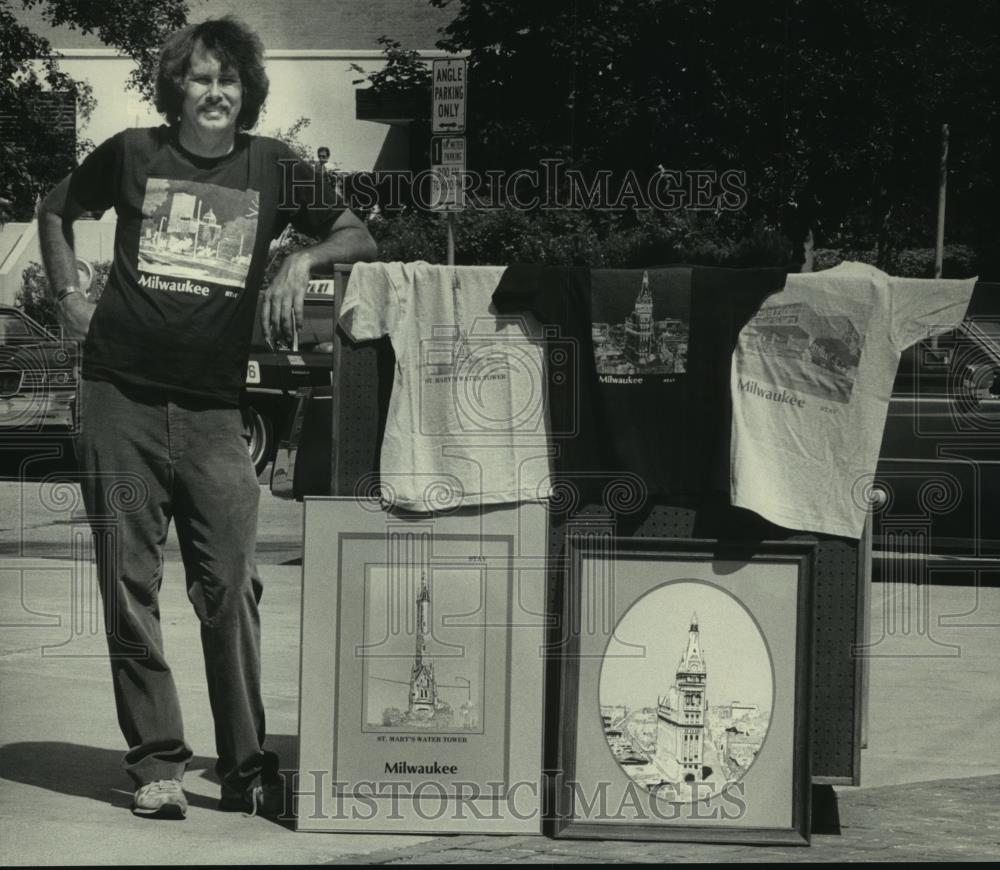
144, 462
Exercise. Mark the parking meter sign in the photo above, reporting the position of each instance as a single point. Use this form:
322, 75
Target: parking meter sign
448, 88
448, 151
448, 167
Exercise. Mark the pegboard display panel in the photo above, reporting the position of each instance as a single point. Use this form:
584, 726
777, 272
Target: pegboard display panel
362, 385
359, 417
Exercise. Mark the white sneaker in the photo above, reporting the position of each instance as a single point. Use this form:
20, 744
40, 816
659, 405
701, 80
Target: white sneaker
163, 799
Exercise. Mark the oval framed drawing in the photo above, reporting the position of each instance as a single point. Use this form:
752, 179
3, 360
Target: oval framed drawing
685, 673
685, 702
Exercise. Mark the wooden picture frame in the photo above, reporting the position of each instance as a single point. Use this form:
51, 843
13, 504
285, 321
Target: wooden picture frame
422, 669
685, 670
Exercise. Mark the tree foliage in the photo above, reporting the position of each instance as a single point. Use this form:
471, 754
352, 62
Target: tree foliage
136, 27
41, 152
575, 238
404, 73
833, 110
292, 137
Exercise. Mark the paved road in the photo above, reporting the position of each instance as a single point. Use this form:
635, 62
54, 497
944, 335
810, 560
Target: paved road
38, 518
930, 777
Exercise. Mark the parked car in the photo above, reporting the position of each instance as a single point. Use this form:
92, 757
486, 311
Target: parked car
39, 377
274, 376
937, 487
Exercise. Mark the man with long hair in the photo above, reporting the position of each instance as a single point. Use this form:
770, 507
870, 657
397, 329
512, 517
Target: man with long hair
161, 431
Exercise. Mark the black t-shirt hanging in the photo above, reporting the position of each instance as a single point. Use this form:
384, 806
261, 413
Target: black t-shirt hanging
645, 394
723, 301
191, 247
560, 299
641, 334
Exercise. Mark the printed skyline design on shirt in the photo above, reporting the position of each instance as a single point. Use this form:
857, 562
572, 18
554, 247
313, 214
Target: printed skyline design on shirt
812, 346
651, 336
192, 230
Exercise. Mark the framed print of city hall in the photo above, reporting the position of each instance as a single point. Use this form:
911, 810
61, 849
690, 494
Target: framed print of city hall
684, 691
422, 671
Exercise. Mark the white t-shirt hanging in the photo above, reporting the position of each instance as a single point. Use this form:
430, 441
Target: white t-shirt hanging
467, 422
811, 378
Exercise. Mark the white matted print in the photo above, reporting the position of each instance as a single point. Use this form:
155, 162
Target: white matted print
684, 691
421, 681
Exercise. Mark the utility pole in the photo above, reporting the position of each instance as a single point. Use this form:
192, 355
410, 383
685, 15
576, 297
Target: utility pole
942, 191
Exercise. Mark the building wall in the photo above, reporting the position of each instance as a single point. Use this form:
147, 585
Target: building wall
317, 86
94, 241
310, 45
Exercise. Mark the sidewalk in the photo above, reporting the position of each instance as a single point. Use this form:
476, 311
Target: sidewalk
948, 820
931, 775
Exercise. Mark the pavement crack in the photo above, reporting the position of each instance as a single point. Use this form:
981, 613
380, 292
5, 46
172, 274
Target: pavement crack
13, 652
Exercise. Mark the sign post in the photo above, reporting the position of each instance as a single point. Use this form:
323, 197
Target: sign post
942, 193
449, 81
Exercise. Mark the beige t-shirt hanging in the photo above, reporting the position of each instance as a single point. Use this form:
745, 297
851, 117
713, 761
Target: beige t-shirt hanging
466, 422
811, 378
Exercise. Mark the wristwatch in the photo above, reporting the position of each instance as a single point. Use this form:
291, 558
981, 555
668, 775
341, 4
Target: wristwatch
66, 291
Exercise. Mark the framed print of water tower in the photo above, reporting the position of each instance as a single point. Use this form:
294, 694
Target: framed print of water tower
422, 669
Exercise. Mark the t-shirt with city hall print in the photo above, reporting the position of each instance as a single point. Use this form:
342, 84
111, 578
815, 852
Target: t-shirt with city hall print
466, 422
639, 373
641, 333
811, 378
191, 246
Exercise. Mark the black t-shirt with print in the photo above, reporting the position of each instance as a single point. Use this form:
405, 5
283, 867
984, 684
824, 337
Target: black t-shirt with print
191, 248
645, 394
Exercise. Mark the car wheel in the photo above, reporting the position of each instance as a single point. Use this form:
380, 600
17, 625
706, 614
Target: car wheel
261, 440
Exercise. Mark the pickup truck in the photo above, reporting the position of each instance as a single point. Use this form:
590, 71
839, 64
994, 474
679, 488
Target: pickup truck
274, 376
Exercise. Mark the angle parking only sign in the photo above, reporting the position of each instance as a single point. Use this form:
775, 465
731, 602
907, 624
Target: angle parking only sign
449, 92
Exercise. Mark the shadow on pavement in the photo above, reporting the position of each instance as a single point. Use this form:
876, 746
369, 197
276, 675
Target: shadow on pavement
37, 458
79, 771
94, 773
825, 811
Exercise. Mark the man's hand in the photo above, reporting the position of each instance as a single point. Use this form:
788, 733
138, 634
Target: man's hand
282, 309
281, 312
74, 314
